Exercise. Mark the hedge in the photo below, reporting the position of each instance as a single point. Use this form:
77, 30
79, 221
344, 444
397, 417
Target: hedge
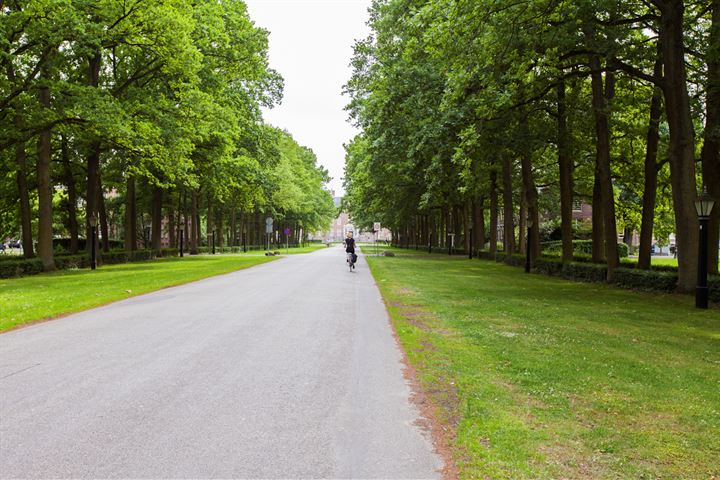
662, 279
580, 247
18, 266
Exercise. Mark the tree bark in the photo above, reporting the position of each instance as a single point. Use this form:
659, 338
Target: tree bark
93, 158
600, 99
130, 216
157, 202
195, 233
172, 225
72, 195
21, 178
493, 212
220, 242
530, 192
711, 145
682, 142
103, 216
598, 228
566, 176
508, 211
45, 187
651, 175
479, 223
24, 200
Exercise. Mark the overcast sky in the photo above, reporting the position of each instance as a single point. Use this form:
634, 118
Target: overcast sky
311, 46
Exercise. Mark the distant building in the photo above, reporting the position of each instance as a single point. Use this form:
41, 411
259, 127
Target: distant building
341, 225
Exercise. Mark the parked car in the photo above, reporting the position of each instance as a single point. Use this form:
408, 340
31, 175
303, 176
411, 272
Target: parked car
15, 244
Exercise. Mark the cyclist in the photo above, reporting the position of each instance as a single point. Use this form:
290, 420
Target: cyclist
349, 244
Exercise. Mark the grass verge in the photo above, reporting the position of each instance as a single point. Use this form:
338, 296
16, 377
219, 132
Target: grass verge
544, 378
27, 299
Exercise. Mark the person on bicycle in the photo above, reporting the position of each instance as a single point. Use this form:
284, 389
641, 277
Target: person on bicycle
349, 244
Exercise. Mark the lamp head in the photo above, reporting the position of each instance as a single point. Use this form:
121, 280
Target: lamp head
704, 204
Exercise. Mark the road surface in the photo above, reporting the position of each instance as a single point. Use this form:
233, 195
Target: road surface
287, 369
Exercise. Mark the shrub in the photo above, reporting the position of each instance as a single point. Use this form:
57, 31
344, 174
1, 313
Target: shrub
16, 268
645, 279
585, 272
580, 247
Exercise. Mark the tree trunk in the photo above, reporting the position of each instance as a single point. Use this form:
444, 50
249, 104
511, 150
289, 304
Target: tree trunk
93, 158
210, 220
522, 223
566, 177
598, 228
130, 216
530, 191
21, 178
195, 234
479, 223
220, 242
682, 143
493, 212
103, 216
157, 201
601, 110
233, 227
72, 196
508, 211
651, 174
45, 186
711, 145
172, 225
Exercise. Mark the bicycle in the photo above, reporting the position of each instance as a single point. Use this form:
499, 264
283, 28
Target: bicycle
350, 262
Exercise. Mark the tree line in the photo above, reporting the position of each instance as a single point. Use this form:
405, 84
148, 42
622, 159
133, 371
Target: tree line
475, 114
144, 117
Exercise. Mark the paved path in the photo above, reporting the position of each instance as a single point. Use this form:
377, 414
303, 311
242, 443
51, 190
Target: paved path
287, 369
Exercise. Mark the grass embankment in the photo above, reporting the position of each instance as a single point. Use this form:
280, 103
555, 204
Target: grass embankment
26, 299
545, 378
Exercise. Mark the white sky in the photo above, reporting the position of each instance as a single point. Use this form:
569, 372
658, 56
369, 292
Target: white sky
311, 47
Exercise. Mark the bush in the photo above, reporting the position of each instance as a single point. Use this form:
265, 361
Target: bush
16, 268
580, 248
585, 272
645, 279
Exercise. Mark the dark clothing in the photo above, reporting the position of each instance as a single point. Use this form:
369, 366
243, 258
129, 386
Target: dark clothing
350, 245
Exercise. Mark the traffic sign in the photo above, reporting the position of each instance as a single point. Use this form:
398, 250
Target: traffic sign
287, 231
376, 226
268, 221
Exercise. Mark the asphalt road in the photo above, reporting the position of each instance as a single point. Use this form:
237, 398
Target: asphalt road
284, 370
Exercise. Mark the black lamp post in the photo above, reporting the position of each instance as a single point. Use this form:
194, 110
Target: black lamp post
93, 235
182, 241
527, 245
703, 206
213, 242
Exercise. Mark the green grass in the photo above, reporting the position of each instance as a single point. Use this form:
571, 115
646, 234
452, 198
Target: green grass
544, 378
38, 297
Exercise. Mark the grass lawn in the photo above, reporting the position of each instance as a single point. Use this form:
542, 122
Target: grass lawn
37, 297
544, 378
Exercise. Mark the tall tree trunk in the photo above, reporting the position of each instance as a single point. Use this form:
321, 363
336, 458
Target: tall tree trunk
130, 216
195, 234
157, 201
172, 225
233, 226
682, 142
210, 220
530, 191
45, 186
651, 174
508, 211
24, 200
601, 110
522, 223
711, 145
479, 223
21, 178
598, 227
220, 242
103, 217
72, 196
93, 158
566, 176
493, 212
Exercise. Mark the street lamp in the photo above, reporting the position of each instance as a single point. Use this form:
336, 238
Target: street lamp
470, 238
703, 205
527, 245
93, 233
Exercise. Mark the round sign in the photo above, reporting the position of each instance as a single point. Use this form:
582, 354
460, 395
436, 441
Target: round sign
287, 231
268, 221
